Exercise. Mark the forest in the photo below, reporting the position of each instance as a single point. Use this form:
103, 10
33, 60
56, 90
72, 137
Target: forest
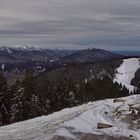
29, 98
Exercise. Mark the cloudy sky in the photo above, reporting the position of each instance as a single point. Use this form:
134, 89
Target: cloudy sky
106, 24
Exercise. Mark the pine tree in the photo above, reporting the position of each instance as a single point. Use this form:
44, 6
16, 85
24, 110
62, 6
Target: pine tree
29, 90
4, 101
36, 107
45, 95
28, 84
17, 100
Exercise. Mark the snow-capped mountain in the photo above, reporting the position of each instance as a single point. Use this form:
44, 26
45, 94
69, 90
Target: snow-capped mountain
75, 55
21, 48
111, 119
22, 54
30, 56
32, 49
26, 47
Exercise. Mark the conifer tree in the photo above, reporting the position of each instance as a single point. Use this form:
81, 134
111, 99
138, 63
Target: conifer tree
17, 100
36, 107
4, 101
27, 93
45, 95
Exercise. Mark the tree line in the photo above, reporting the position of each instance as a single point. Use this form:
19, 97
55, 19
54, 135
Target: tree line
30, 98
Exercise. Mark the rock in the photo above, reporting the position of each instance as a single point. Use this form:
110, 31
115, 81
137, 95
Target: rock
106, 112
118, 100
103, 125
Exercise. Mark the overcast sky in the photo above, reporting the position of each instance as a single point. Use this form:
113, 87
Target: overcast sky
106, 24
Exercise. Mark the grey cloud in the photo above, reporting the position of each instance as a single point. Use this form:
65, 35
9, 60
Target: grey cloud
71, 23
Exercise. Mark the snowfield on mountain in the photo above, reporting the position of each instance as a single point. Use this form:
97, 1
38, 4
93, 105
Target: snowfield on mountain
122, 115
126, 72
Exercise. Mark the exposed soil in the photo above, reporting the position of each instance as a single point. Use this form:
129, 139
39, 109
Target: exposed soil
94, 137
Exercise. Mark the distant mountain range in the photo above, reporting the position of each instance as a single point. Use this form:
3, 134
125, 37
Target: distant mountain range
23, 53
128, 52
22, 57
30, 53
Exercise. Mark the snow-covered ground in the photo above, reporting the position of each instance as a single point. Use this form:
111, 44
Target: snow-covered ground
107, 112
82, 119
126, 72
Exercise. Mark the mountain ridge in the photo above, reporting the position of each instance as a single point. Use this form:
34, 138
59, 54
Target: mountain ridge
30, 54
91, 55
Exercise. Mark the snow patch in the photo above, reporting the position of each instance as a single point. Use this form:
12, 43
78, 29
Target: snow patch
126, 72
26, 47
115, 112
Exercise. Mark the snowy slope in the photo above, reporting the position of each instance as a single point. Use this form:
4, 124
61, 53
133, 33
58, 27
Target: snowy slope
126, 72
40, 128
81, 119
117, 115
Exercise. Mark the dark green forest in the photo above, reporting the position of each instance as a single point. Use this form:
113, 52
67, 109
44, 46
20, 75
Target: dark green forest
29, 98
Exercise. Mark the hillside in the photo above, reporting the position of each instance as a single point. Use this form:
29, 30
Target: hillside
126, 72
81, 72
82, 122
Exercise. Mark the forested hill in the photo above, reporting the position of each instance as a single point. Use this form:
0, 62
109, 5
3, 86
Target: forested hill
31, 97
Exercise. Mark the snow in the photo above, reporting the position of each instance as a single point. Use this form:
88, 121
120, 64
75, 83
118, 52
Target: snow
126, 72
40, 128
87, 121
26, 47
82, 119
3, 67
7, 49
